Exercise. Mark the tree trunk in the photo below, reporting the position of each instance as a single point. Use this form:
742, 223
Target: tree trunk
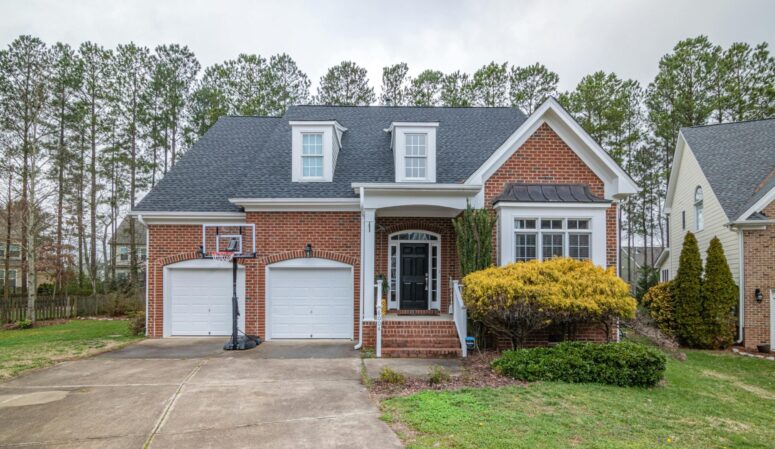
7, 257
93, 201
60, 194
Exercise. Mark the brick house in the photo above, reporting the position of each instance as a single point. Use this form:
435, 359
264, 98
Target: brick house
722, 185
121, 246
340, 197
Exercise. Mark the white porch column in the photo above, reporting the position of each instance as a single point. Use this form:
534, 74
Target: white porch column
367, 262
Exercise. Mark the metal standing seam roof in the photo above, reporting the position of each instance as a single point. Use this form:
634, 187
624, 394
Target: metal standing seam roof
738, 160
548, 193
250, 157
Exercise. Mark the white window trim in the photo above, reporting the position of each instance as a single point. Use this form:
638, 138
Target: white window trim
597, 227
321, 156
434, 303
399, 132
332, 138
699, 209
564, 231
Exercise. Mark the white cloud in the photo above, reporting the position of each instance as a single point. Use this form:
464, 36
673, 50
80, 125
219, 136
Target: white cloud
573, 38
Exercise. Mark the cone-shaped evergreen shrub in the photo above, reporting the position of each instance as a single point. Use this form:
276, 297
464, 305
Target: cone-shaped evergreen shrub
473, 231
719, 296
687, 294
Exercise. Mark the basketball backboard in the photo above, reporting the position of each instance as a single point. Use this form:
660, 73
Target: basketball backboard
239, 239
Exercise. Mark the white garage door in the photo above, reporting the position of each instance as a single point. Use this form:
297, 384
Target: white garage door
311, 302
199, 299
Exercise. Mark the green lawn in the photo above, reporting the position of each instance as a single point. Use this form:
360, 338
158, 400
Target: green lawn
22, 350
712, 400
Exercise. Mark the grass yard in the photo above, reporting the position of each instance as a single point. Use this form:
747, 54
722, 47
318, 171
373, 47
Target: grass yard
22, 350
712, 400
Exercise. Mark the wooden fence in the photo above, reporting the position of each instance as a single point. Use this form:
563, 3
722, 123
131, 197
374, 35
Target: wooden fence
69, 306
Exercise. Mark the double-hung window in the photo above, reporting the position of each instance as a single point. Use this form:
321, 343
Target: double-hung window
312, 155
123, 253
544, 238
416, 157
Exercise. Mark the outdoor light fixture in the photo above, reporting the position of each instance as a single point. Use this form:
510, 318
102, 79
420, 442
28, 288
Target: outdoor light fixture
758, 295
308, 250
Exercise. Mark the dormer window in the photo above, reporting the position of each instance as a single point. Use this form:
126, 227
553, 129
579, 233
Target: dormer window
416, 158
315, 147
414, 150
312, 155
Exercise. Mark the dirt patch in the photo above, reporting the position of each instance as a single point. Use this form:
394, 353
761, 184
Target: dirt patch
476, 373
753, 389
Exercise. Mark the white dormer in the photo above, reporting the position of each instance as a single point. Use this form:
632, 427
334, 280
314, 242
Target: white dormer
315, 146
414, 150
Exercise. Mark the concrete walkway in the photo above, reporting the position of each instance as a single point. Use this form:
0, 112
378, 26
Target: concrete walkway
188, 393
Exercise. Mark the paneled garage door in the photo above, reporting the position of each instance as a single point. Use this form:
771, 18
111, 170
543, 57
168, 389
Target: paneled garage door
310, 302
200, 300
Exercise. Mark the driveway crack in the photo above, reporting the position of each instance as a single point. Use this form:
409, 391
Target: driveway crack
165, 413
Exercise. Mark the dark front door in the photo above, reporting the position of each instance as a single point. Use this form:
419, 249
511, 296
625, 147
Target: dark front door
414, 276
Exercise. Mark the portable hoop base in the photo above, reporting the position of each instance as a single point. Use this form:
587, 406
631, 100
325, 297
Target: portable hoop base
236, 342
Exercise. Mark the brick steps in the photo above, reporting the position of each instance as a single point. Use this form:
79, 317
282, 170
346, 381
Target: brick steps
420, 338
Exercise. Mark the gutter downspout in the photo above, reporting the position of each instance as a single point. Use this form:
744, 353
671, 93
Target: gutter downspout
741, 287
360, 308
140, 219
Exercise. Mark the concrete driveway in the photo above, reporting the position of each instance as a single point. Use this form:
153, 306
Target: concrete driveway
189, 393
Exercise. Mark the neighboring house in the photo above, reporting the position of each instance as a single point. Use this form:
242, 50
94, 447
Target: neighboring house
45, 272
120, 246
633, 259
723, 185
15, 266
338, 196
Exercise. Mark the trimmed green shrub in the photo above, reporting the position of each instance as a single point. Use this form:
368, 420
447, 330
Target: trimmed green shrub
624, 364
719, 297
649, 277
23, 324
390, 376
659, 301
687, 294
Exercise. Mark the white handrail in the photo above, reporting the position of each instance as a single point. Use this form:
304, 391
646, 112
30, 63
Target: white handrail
378, 286
460, 316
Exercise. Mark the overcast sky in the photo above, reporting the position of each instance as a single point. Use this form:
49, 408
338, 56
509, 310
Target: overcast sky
573, 38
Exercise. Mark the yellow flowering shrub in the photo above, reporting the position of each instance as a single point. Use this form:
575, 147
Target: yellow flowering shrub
517, 299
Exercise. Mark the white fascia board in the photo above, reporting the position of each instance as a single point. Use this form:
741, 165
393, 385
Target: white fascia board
411, 125
758, 206
680, 146
589, 151
501, 204
177, 217
333, 123
297, 204
415, 187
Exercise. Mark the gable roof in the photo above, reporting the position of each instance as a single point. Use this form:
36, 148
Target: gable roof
122, 235
738, 160
250, 157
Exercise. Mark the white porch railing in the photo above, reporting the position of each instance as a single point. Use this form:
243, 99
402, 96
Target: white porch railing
460, 316
378, 349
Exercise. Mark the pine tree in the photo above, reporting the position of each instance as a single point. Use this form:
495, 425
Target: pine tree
531, 85
687, 291
346, 84
425, 90
394, 85
719, 297
456, 90
491, 85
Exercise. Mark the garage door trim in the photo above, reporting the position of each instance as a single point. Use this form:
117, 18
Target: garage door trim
303, 263
196, 264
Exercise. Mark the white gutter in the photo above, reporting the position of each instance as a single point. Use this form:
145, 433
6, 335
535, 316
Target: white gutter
360, 308
296, 204
415, 187
741, 288
147, 269
177, 217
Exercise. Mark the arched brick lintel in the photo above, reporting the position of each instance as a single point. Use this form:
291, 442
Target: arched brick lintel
180, 257
299, 254
416, 224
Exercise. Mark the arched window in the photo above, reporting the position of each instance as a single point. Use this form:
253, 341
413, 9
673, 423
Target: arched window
698, 209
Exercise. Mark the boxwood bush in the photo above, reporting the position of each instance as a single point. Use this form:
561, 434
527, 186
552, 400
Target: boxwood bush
624, 364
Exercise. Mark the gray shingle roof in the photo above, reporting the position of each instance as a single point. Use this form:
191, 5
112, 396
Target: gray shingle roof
250, 157
736, 158
548, 193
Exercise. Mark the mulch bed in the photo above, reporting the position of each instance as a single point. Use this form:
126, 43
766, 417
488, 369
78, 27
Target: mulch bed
476, 374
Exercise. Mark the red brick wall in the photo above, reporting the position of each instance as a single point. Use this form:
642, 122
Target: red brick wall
279, 236
546, 158
450, 268
759, 259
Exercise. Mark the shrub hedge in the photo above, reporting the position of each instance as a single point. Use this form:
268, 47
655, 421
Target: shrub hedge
624, 364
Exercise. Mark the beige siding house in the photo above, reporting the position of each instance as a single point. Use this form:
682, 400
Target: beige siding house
722, 184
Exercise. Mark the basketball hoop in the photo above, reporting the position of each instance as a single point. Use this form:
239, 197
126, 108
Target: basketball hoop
223, 256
